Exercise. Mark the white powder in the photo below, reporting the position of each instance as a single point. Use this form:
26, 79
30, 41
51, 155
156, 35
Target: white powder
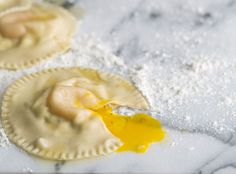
3, 139
194, 94
190, 94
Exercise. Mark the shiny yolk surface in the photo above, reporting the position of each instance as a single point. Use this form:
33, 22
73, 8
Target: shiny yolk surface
136, 132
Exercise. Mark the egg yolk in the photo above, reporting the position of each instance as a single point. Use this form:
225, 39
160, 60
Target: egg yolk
136, 132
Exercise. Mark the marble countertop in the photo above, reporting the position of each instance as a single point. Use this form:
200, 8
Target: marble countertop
162, 26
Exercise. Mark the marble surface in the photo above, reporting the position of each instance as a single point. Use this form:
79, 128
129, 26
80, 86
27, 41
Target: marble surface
162, 26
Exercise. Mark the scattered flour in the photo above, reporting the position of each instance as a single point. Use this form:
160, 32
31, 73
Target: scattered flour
176, 88
3, 139
190, 94
182, 57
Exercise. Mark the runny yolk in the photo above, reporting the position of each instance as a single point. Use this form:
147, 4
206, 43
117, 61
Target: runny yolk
136, 132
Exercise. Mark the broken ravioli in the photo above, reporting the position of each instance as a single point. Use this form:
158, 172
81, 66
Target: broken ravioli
9, 6
29, 36
52, 114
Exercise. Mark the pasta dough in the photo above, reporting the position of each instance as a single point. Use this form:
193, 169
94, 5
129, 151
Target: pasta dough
30, 122
29, 36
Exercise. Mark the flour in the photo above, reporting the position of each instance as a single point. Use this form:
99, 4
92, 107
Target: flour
3, 139
176, 88
193, 94
190, 94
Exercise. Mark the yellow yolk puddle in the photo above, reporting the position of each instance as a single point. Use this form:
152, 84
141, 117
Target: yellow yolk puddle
136, 132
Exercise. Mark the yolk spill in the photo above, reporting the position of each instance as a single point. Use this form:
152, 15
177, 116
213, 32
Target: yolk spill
136, 132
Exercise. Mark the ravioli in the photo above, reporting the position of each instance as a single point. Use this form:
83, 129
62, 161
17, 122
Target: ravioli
9, 6
54, 114
30, 36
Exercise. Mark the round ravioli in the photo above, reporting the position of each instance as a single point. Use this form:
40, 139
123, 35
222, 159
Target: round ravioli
9, 6
51, 113
29, 36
